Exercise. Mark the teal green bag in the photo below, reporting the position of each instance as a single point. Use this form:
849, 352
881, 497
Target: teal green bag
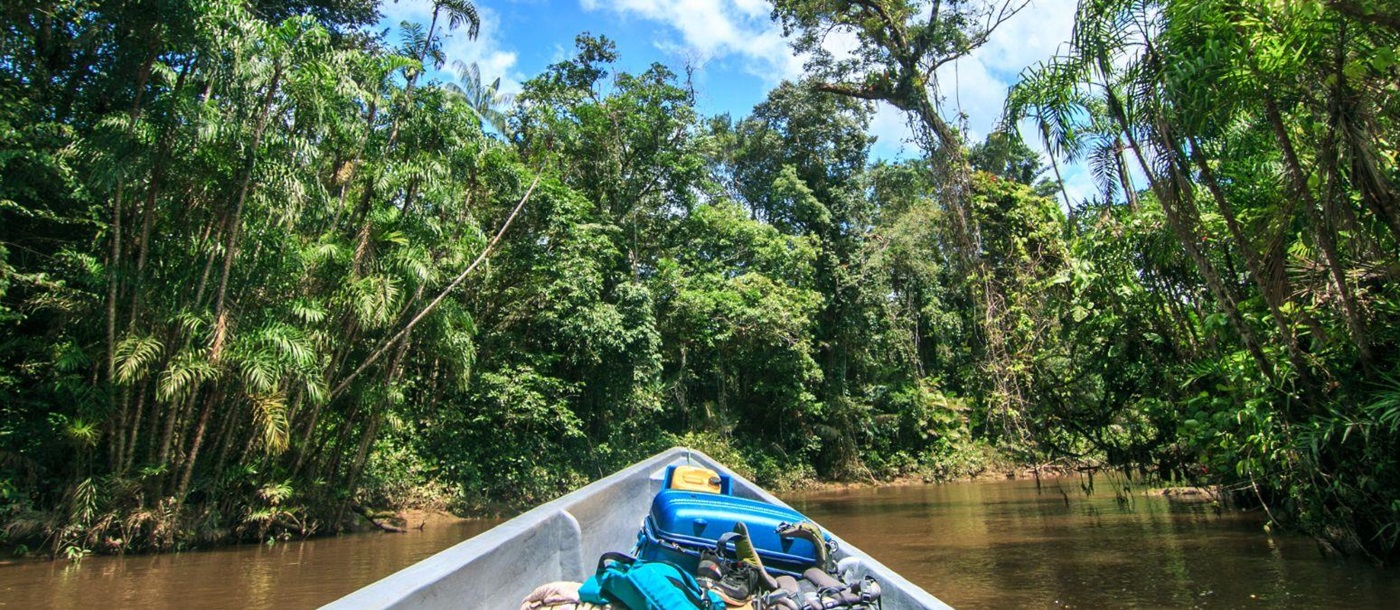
627, 582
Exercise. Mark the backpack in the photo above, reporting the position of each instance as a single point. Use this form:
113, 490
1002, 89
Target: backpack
631, 583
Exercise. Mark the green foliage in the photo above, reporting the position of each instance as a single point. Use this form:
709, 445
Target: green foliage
1252, 281
1006, 156
215, 227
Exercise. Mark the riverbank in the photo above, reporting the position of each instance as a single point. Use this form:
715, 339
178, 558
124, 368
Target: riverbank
1117, 484
997, 470
402, 499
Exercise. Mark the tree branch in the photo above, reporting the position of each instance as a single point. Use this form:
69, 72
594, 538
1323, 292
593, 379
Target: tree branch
442, 295
851, 91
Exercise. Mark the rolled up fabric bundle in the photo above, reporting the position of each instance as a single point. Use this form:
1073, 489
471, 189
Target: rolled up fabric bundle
559, 595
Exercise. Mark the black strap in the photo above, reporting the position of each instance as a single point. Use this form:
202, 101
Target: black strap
616, 557
723, 541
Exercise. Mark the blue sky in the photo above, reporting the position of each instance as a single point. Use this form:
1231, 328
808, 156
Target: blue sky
739, 53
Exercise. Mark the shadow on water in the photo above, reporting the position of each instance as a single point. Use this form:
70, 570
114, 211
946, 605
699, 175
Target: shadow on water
1004, 544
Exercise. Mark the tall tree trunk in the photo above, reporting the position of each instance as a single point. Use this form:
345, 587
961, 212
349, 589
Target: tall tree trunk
1183, 225
1322, 229
304, 449
130, 452
1055, 165
152, 194
1275, 295
116, 446
112, 290
132, 427
227, 432
358, 464
114, 265
1180, 207
231, 246
354, 167
193, 456
1129, 192
177, 413
394, 374
208, 241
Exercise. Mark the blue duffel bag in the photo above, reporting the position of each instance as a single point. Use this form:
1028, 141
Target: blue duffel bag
626, 582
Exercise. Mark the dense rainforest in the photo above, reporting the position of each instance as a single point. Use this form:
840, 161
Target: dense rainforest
259, 269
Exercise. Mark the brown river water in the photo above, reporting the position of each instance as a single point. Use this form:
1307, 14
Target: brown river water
996, 544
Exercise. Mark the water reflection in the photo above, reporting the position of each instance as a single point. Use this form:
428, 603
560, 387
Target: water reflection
1004, 545
285, 575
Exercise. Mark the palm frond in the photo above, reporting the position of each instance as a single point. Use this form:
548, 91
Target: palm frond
135, 355
270, 418
460, 12
1103, 164
187, 369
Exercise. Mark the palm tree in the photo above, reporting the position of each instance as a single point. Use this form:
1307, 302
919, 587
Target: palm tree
458, 13
1106, 90
485, 101
1047, 94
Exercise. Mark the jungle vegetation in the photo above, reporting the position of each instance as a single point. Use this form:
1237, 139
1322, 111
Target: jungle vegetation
258, 270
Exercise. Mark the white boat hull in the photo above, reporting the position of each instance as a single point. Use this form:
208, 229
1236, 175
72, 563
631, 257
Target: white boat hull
562, 540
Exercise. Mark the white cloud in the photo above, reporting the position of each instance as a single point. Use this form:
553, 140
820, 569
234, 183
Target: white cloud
971, 93
893, 140
716, 29
977, 84
487, 51
1034, 34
